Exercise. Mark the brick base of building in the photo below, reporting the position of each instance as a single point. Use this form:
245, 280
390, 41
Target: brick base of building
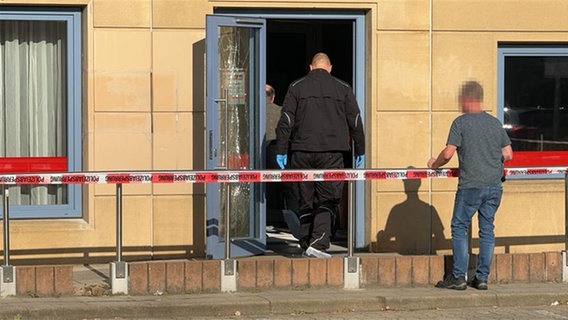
56, 280
263, 273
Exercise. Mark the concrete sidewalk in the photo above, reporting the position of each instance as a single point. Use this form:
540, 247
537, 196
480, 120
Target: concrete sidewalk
280, 302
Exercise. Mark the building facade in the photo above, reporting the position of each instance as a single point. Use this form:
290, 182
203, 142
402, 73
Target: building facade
121, 85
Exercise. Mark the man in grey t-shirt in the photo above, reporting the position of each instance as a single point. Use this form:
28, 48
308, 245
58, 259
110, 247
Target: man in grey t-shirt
482, 146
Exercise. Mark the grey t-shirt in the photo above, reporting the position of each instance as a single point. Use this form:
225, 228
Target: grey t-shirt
479, 138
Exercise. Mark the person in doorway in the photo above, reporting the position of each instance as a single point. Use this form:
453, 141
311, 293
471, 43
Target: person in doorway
319, 116
482, 146
273, 189
272, 116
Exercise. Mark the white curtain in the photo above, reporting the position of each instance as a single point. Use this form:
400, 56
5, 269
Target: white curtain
33, 99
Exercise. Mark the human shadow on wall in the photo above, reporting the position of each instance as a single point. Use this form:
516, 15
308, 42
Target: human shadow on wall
413, 226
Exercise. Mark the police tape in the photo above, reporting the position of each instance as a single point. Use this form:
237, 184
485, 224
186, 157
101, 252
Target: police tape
246, 176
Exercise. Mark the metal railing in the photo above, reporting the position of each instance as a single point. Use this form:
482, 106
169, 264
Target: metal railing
368, 174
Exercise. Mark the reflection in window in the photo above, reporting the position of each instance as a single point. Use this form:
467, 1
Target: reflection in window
535, 112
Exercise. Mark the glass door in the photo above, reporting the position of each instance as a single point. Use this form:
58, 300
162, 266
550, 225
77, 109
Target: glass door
236, 102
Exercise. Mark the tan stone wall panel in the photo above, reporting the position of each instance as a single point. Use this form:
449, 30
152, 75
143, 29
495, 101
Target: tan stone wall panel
404, 14
122, 142
122, 50
174, 148
122, 91
173, 141
403, 72
121, 13
180, 13
457, 59
531, 213
122, 61
402, 139
41, 234
173, 220
521, 15
173, 70
137, 221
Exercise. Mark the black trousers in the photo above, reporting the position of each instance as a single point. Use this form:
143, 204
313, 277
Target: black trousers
318, 200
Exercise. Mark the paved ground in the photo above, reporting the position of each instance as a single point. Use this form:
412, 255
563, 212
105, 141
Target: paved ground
485, 313
521, 301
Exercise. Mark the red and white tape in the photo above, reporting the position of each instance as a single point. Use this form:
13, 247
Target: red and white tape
250, 176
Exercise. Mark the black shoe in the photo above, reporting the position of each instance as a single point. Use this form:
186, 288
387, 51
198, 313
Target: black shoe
452, 282
478, 284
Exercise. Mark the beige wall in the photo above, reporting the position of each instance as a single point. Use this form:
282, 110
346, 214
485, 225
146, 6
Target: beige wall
413, 115
144, 110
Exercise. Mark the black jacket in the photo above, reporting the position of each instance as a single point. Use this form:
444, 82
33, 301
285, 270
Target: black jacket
320, 114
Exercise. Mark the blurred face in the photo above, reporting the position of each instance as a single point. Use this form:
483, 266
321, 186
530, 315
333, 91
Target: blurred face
468, 105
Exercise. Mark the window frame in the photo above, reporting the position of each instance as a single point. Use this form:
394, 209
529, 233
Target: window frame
525, 50
72, 18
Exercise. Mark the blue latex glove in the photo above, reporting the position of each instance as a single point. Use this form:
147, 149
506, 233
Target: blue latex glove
359, 161
281, 159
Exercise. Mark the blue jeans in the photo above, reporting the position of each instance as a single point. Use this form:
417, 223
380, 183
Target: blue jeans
485, 201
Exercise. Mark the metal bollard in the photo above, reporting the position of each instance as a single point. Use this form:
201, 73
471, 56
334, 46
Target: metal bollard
228, 220
351, 263
228, 265
119, 222
350, 220
7, 274
119, 269
6, 224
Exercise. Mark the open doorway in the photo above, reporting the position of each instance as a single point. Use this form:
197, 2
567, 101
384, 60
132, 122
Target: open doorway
291, 44
292, 38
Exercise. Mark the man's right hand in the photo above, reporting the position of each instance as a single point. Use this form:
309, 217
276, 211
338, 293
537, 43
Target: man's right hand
282, 159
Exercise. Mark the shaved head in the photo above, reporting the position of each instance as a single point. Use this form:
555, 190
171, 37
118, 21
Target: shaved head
321, 61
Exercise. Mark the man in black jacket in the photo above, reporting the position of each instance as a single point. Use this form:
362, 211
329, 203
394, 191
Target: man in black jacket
319, 117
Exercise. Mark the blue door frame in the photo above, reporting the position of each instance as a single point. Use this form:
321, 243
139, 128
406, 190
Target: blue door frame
235, 100
359, 85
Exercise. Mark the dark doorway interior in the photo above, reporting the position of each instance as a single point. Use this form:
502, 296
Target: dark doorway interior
291, 44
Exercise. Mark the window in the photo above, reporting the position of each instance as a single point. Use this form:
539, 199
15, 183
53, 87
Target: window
533, 103
40, 106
